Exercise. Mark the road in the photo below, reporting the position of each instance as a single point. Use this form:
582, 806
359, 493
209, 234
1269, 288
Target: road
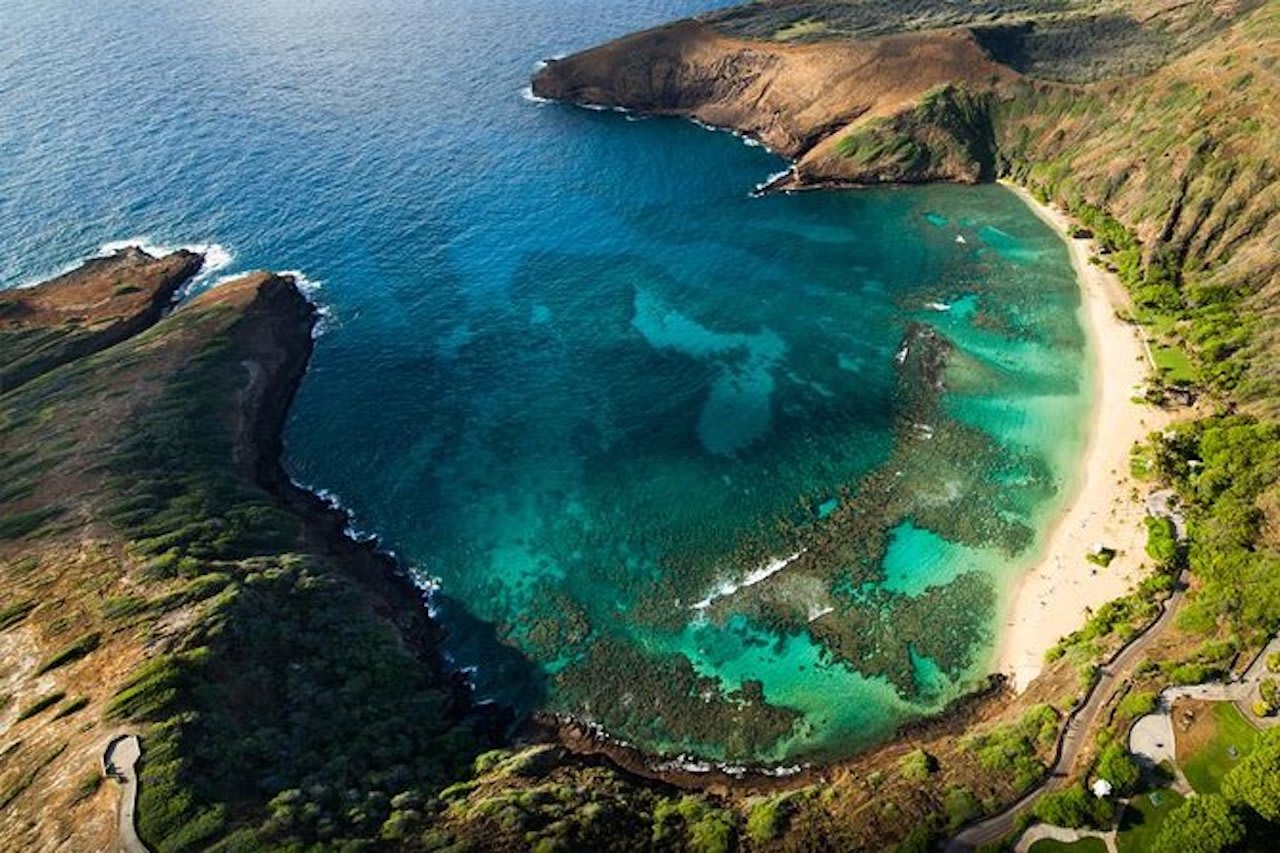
1076, 734
120, 762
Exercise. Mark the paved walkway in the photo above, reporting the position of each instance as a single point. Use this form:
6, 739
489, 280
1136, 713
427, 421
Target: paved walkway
1152, 742
1078, 731
1042, 831
1151, 738
119, 762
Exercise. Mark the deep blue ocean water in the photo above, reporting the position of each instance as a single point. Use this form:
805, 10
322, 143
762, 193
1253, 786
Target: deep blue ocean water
617, 408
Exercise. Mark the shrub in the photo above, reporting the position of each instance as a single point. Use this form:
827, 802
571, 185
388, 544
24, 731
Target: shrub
42, 704
1137, 704
1074, 808
12, 614
75, 706
961, 806
78, 649
1117, 766
704, 828
768, 818
918, 765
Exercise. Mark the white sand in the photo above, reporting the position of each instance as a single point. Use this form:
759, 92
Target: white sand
1057, 592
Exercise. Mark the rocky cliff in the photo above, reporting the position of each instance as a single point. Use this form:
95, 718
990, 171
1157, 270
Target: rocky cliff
799, 99
162, 576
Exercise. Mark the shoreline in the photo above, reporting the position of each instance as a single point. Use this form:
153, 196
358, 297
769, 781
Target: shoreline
1059, 588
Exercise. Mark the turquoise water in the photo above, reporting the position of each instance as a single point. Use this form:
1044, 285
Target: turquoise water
739, 477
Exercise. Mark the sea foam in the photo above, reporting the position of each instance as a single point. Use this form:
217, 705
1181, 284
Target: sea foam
217, 257
310, 289
752, 578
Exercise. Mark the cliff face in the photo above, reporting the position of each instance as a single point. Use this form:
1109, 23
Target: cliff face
799, 99
88, 309
1188, 158
162, 576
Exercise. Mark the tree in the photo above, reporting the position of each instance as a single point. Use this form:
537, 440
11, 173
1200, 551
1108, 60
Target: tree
1255, 781
1073, 808
1117, 766
1162, 540
1205, 824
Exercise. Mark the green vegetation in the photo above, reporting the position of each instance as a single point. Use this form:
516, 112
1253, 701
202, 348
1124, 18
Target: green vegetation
1143, 817
277, 717
44, 703
20, 525
951, 125
88, 785
1196, 313
1102, 557
1175, 365
1255, 780
18, 783
691, 823
1204, 824
1269, 692
12, 614
1013, 750
801, 30
1137, 704
71, 653
1162, 541
1117, 766
768, 818
918, 765
1216, 821
1075, 808
75, 706
961, 806
1221, 467
1121, 617
1233, 740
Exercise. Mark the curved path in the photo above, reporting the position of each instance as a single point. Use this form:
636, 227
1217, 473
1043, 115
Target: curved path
1041, 832
1075, 735
119, 762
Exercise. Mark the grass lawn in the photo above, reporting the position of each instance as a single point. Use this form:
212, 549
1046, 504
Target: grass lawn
1226, 738
1084, 845
1142, 818
1174, 364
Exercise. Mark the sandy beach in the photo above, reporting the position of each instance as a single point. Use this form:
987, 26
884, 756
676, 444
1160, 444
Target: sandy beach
1058, 590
